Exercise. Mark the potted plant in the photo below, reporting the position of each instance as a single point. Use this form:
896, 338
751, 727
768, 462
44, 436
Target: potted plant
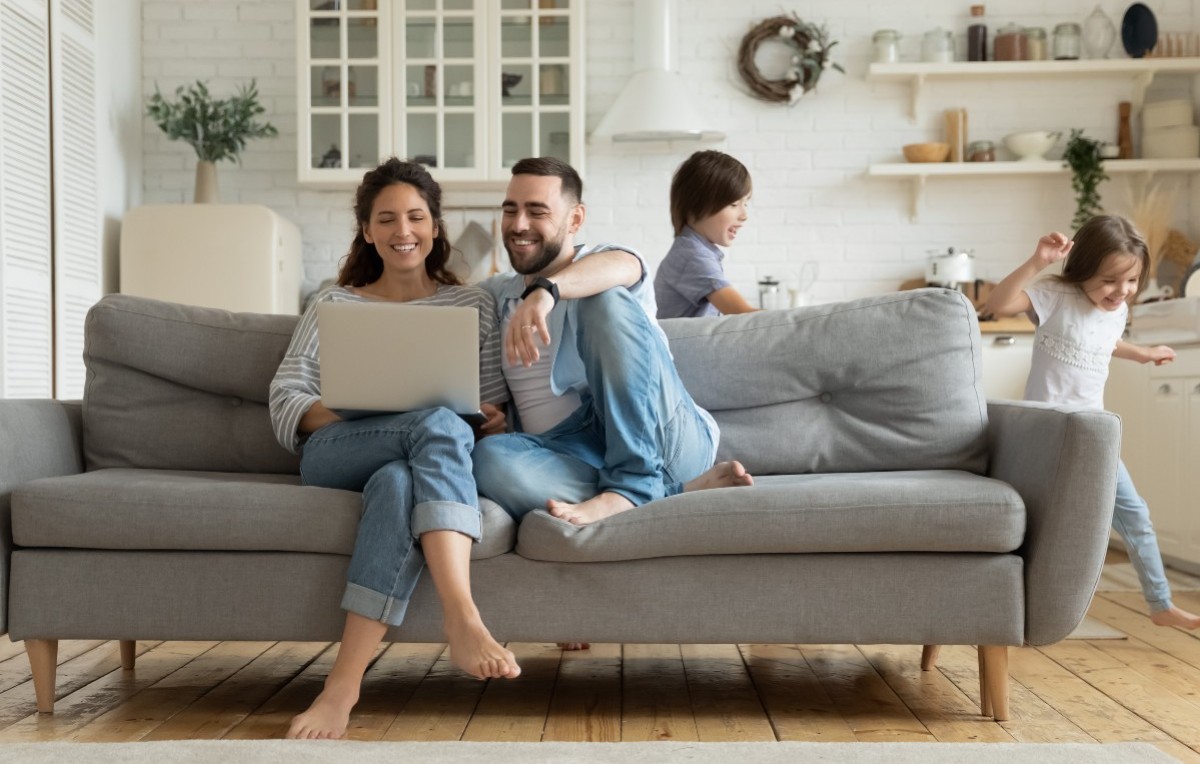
216, 128
1082, 155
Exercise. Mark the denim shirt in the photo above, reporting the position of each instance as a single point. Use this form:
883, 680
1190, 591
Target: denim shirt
568, 373
691, 271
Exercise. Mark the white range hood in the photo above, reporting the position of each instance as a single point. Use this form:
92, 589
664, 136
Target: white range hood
656, 104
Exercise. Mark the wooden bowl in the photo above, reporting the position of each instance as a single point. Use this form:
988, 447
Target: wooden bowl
927, 152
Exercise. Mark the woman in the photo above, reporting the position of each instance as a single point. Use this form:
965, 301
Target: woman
414, 469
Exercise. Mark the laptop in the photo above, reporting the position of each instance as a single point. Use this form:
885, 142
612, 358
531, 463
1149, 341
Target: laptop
386, 357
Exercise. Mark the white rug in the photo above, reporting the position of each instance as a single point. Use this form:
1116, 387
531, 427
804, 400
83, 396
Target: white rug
311, 752
1090, 628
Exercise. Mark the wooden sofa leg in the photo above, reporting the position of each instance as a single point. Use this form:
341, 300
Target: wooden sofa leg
929, 656
128, 653
985, 702
995, 659
43, 662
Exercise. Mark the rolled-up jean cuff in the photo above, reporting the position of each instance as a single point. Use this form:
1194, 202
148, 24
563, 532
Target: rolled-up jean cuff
371, 604
1157, 606
446, 516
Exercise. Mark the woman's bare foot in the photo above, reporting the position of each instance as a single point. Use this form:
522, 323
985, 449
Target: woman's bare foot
720, 475
1175, 617
596, 508
473, 650
327, 717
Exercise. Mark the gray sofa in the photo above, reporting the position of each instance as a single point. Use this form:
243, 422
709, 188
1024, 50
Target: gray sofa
892, 503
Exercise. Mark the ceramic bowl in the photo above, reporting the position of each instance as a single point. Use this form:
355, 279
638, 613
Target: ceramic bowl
1033, 145
926, 152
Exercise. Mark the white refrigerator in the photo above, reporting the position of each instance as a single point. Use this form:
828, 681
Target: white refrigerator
239, 257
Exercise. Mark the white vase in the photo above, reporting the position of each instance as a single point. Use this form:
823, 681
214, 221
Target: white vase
206, 183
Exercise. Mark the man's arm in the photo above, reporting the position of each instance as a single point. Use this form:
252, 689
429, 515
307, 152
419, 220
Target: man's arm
580, 278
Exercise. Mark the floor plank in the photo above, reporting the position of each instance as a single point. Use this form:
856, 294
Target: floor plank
388, 685
271, 719
515, 711
586, 706
872, 710
15, 669
654, 695
937, 703
212, 716
440, 707
75, 710
724, 703
796, 702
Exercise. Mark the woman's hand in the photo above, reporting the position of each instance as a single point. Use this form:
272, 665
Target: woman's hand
317, 417
496, 422
1051, 248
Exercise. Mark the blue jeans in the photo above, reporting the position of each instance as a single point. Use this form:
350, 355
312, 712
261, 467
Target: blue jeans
414, 471
1131, 520
637, 431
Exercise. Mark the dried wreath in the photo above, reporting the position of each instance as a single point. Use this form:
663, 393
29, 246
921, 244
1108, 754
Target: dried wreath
810, 59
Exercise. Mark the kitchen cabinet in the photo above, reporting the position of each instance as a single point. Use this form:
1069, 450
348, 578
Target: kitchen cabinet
1142, 72
1007, 357
465, 87
1160, 416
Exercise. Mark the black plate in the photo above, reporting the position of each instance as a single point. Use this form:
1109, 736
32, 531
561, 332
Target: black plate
1139, 30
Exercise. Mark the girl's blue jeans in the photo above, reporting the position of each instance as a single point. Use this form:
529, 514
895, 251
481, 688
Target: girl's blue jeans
637, 432
414, 471
1131, 520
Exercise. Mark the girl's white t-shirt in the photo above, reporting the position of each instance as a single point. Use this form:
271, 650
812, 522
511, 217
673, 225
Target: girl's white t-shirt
1073, 345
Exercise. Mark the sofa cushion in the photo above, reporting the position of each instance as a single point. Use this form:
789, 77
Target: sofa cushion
925, 511
161, 509
882, 383
180, 387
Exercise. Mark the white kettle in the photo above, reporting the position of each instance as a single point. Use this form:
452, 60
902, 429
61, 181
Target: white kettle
950, 267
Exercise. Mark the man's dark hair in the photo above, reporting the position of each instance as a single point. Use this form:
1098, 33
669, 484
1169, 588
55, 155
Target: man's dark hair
572, 186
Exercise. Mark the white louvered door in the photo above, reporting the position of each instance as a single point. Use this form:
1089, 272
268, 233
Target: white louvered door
26, 341
50, 234
77, 245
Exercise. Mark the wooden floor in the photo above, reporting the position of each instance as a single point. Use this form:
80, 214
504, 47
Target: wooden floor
1144, 688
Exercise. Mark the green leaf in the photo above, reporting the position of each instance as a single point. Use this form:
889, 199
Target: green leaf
216, 129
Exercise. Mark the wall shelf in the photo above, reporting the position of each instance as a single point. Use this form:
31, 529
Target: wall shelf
1142, 70
1143, 169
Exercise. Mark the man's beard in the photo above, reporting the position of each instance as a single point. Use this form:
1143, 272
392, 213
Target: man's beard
550, 250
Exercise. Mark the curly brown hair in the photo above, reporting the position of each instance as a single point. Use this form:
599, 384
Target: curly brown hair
362, 265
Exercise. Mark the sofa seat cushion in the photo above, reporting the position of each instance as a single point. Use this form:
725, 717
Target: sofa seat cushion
918, 511
169, 509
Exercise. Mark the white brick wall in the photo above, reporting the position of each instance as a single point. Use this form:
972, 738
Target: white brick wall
812, 200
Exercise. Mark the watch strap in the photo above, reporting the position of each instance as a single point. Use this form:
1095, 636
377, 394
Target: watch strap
542, 282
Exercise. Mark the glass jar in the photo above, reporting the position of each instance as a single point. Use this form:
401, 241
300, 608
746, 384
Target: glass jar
1099, 33
1067, 42
1035, 44
981, 151
1010, 43
886, 43
937, 46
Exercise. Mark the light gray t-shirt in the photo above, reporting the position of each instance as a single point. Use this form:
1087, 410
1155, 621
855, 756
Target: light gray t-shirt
297, 383
691, 271
1073, 345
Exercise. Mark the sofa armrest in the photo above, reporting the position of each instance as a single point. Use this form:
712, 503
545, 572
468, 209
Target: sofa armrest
38, 438
1063, 462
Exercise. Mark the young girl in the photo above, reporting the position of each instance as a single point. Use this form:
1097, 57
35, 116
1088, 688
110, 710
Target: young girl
709, 194
420, 507
1080, 317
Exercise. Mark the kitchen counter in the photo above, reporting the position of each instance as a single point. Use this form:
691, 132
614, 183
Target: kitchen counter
1014, 325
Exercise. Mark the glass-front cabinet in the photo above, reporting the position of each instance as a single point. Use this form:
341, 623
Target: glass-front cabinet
466, 87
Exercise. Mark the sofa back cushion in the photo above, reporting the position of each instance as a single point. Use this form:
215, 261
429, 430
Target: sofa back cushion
180, 387
881, 383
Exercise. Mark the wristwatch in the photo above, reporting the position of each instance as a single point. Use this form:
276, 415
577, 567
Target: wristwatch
542, 283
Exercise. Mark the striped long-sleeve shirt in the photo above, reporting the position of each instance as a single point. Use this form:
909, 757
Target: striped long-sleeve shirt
297, 383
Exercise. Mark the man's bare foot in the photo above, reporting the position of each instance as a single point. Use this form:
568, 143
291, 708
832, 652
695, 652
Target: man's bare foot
1176, 617
720, 475
327, 717
596, 508
572, 646
473, 650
